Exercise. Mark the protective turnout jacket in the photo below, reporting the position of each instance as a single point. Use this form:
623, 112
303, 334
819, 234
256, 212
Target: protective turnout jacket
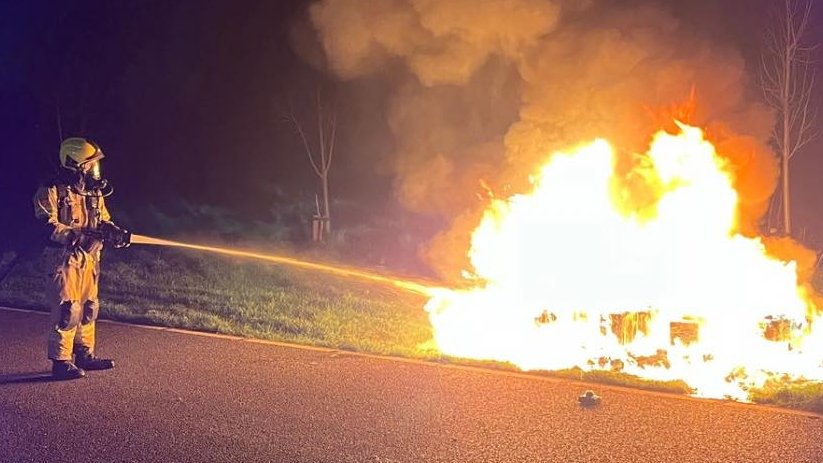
69, 212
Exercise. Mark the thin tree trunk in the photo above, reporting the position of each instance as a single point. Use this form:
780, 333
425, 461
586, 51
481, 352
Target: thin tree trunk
325, 180
787, 78
786, 90
787, 216
326, 134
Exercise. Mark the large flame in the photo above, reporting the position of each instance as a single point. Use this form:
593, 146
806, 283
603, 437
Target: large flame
578, 274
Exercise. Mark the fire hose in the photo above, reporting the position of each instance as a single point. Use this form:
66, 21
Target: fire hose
117, 237
111, 234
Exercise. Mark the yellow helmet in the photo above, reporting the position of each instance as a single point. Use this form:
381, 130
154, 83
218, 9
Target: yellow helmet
76, 151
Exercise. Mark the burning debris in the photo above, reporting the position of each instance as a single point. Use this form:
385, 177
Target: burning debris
545, 317
721, 309
779, 329
627, 325
686, 331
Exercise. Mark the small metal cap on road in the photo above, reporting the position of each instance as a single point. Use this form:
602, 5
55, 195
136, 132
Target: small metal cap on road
589, 399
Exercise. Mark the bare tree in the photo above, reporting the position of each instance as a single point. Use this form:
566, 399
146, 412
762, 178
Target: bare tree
787, 78
321, 155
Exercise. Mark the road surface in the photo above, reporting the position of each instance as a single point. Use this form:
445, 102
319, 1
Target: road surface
183, 397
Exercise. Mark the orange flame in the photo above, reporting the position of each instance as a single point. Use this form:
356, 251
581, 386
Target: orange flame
572, 277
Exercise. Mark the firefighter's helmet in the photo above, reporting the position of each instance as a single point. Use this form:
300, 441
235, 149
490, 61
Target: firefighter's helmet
76, 151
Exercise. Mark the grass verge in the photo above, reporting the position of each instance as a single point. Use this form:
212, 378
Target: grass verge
803, 396
180, 289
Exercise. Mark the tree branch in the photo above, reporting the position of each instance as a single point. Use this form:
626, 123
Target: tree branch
321, 133
298, 127
332, 138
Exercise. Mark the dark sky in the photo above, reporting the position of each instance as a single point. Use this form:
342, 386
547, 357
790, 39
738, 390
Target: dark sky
185, 99
180, 95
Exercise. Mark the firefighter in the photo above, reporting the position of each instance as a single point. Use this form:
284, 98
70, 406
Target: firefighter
74, 207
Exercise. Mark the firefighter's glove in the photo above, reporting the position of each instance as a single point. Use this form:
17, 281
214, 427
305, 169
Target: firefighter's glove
89, 240
114, 235
90, 233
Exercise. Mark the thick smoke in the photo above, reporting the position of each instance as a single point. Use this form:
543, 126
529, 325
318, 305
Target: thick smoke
443, 42
492, 87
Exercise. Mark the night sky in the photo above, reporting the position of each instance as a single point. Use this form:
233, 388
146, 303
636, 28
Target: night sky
186, 99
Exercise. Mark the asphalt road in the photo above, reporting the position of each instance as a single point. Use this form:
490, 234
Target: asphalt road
182, 397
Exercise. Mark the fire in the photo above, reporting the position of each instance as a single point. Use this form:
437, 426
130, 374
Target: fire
580, 273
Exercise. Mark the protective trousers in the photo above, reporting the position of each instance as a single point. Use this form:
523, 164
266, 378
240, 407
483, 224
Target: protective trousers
75, 305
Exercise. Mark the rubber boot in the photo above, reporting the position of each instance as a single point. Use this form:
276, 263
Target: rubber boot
64, 369
87, 361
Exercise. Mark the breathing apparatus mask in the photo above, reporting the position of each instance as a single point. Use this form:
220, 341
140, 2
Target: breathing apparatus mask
92, 180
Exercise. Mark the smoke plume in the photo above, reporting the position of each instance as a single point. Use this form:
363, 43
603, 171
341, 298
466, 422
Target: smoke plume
491, 87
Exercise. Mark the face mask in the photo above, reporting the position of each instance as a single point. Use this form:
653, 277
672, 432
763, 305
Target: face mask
93, 178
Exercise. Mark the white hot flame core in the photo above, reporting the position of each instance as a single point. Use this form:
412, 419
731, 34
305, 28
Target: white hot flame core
567, 252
